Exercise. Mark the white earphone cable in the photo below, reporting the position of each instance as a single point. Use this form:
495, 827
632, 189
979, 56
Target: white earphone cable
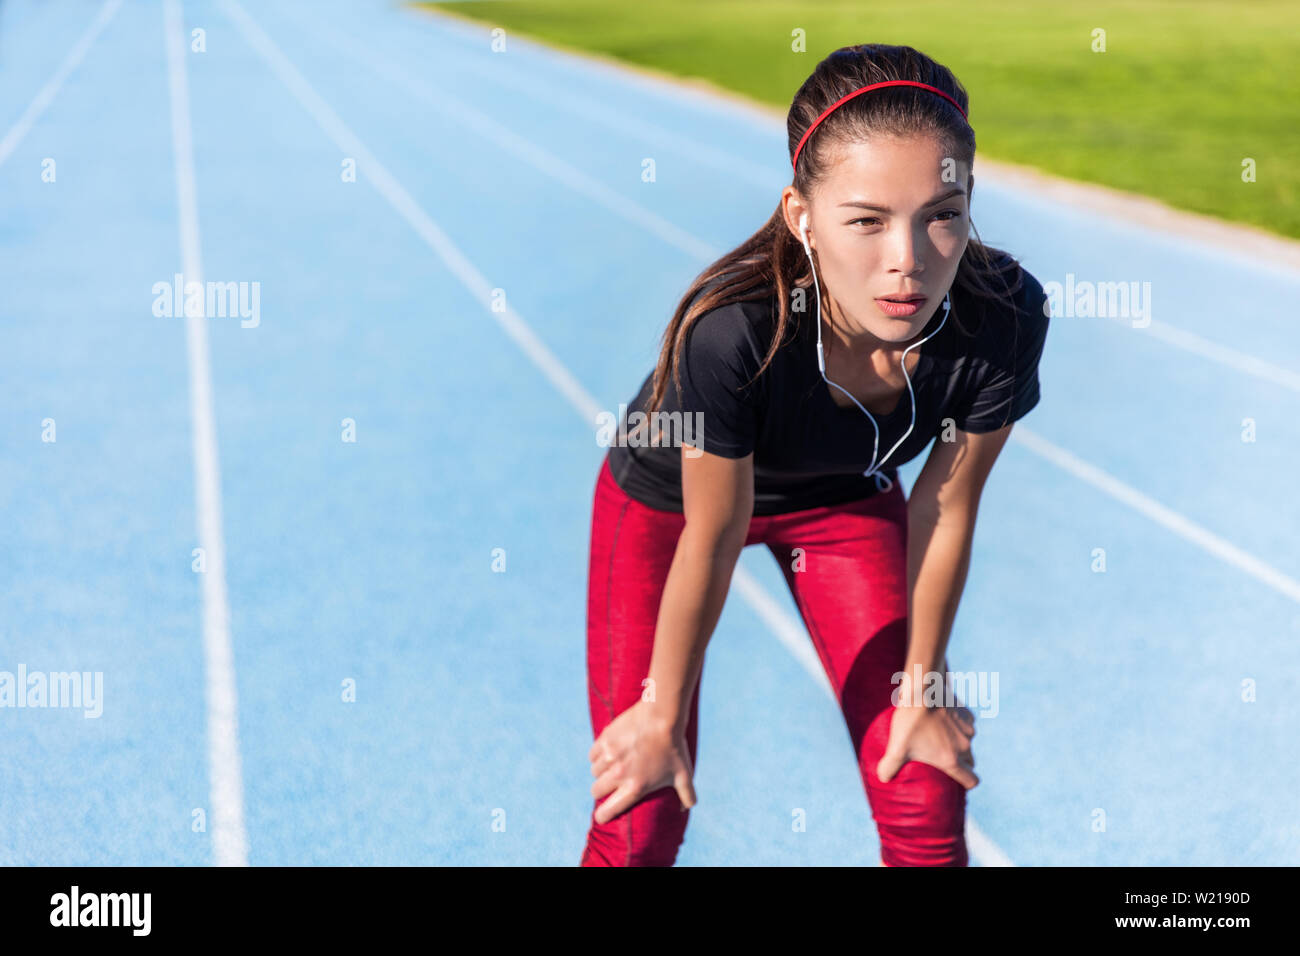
883, 482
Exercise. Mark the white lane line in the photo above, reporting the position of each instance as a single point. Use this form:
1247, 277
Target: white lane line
1191, 342
792, 635
789, 631
489, 67
982, 848
462, 116
409, 210
51, 89
229, 839
785, 628
586, 70
1150, 508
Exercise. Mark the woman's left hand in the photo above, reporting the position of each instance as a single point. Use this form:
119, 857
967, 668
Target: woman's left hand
939, 736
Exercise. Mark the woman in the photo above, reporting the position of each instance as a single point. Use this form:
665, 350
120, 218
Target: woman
803, 411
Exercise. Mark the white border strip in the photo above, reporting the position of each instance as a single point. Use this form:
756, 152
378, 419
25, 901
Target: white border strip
1148, 507
789, 633
51, 89
229, 840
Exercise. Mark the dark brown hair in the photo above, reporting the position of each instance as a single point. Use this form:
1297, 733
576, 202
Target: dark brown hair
772, 258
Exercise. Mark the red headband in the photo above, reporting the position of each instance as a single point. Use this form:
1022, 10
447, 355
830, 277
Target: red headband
874, 86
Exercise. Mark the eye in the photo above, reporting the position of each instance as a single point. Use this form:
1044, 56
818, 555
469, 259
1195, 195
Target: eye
945, 215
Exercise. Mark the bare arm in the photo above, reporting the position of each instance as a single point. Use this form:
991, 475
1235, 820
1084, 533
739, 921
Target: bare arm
644, 747
717, 502
941, 513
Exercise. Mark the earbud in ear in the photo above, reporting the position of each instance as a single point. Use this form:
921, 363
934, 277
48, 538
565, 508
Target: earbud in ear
803, 233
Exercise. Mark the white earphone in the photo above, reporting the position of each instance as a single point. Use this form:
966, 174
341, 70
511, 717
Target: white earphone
883, 482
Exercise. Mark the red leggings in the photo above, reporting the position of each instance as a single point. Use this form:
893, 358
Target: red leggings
851, 590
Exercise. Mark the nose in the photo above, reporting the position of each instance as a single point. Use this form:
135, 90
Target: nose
907, 248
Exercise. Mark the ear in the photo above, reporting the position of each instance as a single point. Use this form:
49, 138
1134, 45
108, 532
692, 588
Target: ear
791, 209
970, 189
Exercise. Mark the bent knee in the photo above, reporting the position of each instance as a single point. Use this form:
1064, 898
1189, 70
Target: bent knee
920, 815
649, 834
618, 853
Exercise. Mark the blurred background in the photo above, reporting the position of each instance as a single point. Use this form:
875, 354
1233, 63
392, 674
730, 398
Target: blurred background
1160, 97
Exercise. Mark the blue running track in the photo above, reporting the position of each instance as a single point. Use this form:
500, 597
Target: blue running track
1157, 695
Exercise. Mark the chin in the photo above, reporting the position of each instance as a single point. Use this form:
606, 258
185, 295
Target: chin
900, 329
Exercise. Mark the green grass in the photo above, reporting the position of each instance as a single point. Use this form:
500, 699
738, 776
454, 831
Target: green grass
1184, 92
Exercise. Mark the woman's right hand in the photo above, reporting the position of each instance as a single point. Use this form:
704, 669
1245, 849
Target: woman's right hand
637, 753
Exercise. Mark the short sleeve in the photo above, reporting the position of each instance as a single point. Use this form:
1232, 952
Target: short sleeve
1006, 385
718, 360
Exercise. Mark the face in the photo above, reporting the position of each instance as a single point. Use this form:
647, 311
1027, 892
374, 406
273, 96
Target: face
908, 243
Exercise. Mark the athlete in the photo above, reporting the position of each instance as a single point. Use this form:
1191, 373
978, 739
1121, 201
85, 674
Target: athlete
858, 325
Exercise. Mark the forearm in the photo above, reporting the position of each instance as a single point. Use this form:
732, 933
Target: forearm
938, 558
694, 594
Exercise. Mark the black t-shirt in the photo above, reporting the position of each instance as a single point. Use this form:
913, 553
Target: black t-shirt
809, 451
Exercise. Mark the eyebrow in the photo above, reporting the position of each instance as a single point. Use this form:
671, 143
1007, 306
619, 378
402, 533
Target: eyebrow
863, 204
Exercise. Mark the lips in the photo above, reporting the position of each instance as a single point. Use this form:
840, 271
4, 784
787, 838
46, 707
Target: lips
900, 307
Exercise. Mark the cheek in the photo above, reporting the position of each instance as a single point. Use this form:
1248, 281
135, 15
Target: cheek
853, 255
838, 260
950, 242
